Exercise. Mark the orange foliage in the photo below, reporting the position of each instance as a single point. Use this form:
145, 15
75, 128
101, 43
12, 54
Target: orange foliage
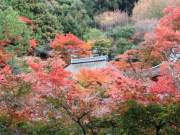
166, 88
48, 79
32, 43
68, 44
25, 20
167, 35
92, 77
157, 47
3, 42
89, 93
3, 57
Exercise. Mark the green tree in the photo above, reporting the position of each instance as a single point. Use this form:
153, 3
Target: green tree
46, 23
14, 33
98, 6
103, 46
73, 16
121, 36
94, 34
54, 16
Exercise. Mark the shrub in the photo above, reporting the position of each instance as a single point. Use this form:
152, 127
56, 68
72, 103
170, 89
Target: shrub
111, 19
151, 119
10, 126
148, 9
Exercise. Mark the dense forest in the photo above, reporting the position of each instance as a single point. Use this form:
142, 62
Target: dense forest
136, 91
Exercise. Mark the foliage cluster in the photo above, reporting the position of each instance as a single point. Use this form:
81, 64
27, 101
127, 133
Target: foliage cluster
13, 33
122, 38
149, 9
99, 6
107, 20
54, 16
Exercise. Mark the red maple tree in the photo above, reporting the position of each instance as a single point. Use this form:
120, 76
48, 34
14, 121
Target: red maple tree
69, 44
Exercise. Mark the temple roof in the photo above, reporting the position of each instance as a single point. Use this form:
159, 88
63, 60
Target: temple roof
88, 62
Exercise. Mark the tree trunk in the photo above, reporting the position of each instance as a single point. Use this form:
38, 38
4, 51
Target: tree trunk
158, 130
82, 127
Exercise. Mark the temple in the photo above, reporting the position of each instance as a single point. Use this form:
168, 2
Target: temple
93, 62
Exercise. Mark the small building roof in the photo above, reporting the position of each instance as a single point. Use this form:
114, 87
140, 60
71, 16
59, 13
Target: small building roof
88, 62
